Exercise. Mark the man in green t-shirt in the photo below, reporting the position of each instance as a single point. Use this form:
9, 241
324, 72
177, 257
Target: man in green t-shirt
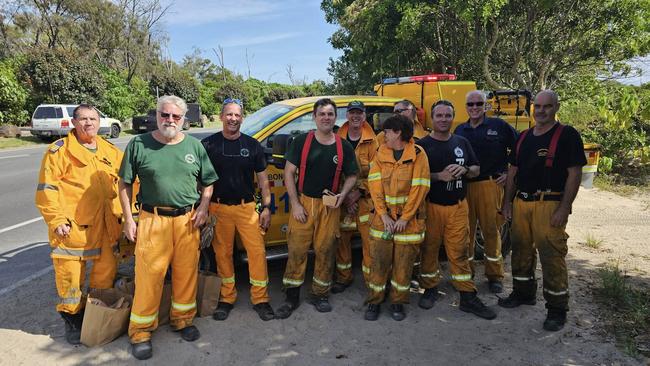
325, 160
169, 165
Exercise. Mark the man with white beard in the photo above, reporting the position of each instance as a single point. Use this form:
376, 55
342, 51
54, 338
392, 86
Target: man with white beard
170, 165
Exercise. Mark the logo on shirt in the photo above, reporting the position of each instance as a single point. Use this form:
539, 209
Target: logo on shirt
492, 132
458, 151
244, 152
190, 159
542, 153
335, 159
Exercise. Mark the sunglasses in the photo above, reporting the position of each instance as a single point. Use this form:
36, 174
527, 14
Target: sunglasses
398, 110
232, 100
477, 104
176, 117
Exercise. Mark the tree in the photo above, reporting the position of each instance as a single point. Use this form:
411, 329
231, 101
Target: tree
516, 44
13, 95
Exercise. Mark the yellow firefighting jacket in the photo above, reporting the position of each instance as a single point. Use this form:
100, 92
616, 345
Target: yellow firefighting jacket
365, 151
79, 187
399, 188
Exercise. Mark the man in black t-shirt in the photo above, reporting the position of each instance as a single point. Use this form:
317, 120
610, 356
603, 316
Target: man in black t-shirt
238, 158
318, 156
491, 138
451, 162
545, 172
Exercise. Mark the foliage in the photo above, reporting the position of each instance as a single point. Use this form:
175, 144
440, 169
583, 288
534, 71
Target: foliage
122, 100
58, 76
498, 43
174, 82
13, 95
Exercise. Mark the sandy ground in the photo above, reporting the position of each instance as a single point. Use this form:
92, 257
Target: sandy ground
32, 333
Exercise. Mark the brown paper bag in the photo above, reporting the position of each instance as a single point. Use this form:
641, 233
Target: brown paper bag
207, 293
106, 316
165, 304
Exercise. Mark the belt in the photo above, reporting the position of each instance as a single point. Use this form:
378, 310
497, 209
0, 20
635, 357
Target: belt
231, 201
487, 177
172, 212
540, 196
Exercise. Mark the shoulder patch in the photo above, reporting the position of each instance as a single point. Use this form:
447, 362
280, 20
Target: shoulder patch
56, 145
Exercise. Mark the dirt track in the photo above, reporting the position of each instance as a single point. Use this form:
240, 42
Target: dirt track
32, 332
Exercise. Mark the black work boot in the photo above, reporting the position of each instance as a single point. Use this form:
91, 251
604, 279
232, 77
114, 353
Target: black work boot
189, 333
338, 287
264, 311
470, 303
142, 350
496, 287
291, 303
372, 313
321, 304
555, 319
222, 312
72, 327
397, 312
428, 298
516, 299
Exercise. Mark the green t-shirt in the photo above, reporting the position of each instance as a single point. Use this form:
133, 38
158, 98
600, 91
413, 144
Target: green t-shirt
168, 173
321, 164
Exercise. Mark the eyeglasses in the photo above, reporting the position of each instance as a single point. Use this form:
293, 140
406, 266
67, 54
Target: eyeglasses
232, 100
478, 104
176, 117
398, 110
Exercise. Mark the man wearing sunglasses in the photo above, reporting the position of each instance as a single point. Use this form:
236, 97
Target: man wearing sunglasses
407, 108
170, 165
238, 160
491, 139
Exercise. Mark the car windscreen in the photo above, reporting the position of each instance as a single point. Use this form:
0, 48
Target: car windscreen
263, 117
48, 112
70, 111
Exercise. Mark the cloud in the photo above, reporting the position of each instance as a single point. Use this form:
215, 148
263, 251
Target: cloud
197, 12
247, 41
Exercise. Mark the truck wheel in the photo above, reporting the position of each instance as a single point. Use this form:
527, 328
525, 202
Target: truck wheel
115, 131
186, 125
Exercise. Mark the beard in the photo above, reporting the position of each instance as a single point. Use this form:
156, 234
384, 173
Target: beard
169, 130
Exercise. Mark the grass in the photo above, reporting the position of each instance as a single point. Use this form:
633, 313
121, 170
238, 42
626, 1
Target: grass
627, 310
9, 142
609, 183
593, 242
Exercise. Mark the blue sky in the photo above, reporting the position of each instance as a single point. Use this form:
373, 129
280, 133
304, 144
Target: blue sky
276, 33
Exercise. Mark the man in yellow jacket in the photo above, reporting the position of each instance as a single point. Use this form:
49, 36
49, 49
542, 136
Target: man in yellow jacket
407, 109
358, 204
398, 181
77, 196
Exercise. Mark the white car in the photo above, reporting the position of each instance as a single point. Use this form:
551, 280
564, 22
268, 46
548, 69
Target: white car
55, 120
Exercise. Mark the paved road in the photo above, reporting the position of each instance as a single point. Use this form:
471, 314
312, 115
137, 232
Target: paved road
24, 251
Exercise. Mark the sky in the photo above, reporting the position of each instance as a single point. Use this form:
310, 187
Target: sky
275, 33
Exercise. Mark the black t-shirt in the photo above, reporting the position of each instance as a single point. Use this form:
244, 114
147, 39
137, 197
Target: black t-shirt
491, 141
321, 164
456, 150
354, 143
235, 161
532, 175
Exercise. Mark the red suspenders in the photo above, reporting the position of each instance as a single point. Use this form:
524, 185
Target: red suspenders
303, 161
552, 148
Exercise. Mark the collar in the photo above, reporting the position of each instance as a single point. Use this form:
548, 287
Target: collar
385, 154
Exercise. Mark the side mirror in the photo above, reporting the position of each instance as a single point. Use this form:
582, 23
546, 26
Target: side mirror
280, 145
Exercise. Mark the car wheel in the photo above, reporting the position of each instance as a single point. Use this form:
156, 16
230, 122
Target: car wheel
115, 131
186, 125
201, 124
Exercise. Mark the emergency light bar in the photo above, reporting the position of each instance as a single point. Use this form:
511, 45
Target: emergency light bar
419, 78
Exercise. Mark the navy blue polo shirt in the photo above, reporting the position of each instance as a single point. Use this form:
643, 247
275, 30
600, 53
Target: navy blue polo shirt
491, 140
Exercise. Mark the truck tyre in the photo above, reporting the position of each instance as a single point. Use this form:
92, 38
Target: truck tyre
115, 131
186, 125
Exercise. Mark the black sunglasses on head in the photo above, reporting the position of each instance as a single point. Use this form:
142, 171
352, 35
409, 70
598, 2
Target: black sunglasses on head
478, 104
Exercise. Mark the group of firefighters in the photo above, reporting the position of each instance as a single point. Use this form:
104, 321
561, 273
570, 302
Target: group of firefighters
406, 191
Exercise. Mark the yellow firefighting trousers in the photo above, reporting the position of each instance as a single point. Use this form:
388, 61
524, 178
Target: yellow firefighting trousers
321, 229
448, 224
394, 261
484, 201
531, 229
344, 249
70, 274
161, 241
244, 220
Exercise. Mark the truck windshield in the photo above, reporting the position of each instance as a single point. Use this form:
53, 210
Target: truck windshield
263, 117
